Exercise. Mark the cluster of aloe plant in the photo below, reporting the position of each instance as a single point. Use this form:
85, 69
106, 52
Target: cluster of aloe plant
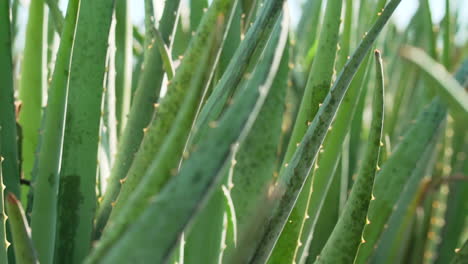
224, 134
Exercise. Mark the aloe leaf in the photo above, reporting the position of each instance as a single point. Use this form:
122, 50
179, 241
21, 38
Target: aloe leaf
355, 138
401, 91
320, 75
14, 18
455, 218
123, 60
197, 8
257, 155
209, 249
241, 64
448, 88
50, 147
424, 224
109, 117
164, 52
363, 12
213, 226
3, 240
345, 42
453, 233
108, 123
180, 96
248, 51
137, 188
77, 194
403, 84
436, 224
327, 219
182, 197
343, 242
409, 108
391, 240
462, 74
426, 18
447, 27
346, 174
21, 233
368, 11
395, 174
238, 188
321, 211
398, 233
164, 141
293, 99
461, 256
305, 213
8, 140
455, 221
203, 244
31, 87
291, 181
419, 236
141, 113
182, 35
309, 25
218, 104
250, 10
56, 15
232, 42
438, 200
214, 232
316, 89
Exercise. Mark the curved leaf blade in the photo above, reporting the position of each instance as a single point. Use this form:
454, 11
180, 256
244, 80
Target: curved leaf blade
292, 180
22, 243
342, 245
169, 213
448, 88
46, 174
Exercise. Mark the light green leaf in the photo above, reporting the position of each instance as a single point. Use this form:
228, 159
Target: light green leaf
342, 245
46, 174
453, 93
395, 174
23, 246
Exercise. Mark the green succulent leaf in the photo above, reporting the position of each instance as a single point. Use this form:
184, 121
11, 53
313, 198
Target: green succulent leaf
449, 89
294, 176
8, 138
46, 178
396, 172
342, 245
164, 141
23, 246
142, 111
318, 85
3, 217
197, 175
76, 202
31, 89
461, 256
56, 15
213, 131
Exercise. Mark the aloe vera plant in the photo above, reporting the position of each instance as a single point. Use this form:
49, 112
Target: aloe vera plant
226, 133
3, 241
21, 233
